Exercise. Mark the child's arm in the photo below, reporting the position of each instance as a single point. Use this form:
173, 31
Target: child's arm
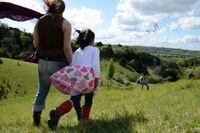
96, 85
96, 69
96, 63
96, 82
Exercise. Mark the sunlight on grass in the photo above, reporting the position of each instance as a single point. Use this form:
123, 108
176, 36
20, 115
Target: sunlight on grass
167, 107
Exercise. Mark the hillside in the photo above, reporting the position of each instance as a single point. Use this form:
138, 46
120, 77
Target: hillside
167, 107
22, 76
160, 64
168, 51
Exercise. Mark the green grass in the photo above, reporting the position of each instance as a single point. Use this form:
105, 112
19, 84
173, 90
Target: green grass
22, 76
168, 107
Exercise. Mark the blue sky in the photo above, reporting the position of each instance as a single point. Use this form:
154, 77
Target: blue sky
126, 22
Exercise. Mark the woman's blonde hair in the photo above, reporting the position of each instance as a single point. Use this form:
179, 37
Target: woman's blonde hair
55, 6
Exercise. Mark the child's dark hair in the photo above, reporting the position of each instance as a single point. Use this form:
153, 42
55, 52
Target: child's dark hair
85, 38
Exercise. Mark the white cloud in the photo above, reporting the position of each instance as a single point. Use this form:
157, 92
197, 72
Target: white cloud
129, 18
27, 26
186, 42
191, 39
84, 17
134, 17
151, 7
189, 22
36, 5
174, 26
186, 23
162, 30
138, 14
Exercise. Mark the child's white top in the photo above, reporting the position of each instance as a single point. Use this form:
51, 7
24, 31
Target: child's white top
89, 56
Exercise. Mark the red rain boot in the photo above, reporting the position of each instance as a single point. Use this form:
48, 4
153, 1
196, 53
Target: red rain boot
55, 114
86, 112
64, 108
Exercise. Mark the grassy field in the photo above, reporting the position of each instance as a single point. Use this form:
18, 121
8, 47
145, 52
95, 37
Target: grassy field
166, 108
22, 76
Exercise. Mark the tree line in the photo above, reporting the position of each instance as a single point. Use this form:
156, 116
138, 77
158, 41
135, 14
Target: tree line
16, 44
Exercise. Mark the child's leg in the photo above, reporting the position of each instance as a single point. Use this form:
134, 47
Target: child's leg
76, 102
142, 86
64, 108
55, 114
147, 86
87, 106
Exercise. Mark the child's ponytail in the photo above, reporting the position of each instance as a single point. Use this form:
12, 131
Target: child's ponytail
85, 38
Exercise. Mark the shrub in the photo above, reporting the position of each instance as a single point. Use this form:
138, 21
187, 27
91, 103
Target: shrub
132, 78
191, 62
138, 80
122, 61
139, 67
148, 59
168, 70
119, 80
195, 73
1, 62
111, 69
154, 79
4, 89
99, 44
107, 51
4, 53
127, 83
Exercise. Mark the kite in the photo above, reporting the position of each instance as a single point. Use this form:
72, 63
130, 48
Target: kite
154, 29
17, 13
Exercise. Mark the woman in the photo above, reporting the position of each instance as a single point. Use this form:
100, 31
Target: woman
52, 36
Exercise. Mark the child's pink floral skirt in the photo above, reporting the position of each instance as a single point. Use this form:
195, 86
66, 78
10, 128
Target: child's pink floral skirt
74, 76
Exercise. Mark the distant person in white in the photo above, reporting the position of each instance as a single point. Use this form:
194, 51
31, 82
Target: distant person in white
143, 81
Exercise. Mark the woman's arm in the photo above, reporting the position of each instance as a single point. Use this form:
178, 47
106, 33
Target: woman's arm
36, 37
67, 41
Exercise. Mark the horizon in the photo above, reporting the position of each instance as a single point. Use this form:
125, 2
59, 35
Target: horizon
129, 22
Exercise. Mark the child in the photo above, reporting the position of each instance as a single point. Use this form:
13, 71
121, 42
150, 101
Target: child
86, 55
143, 81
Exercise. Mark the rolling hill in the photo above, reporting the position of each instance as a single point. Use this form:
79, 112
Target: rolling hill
118, 108
168, 51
